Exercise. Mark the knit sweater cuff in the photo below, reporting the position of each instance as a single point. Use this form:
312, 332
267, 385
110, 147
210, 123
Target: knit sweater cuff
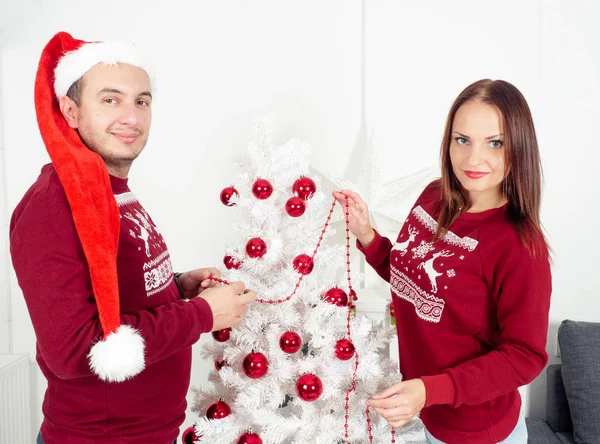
373, 247
439, 389
206, 315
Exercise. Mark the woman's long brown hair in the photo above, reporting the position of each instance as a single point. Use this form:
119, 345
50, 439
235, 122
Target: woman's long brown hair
522, 184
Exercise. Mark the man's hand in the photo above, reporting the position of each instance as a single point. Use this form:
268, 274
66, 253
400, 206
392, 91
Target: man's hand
229, 303
194, 282
401, 402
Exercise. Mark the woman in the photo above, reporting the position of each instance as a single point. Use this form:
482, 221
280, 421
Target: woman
469, 275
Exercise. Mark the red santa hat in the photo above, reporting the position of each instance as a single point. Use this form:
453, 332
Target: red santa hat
119, 355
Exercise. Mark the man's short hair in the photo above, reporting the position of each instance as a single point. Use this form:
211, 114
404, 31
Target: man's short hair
74, 92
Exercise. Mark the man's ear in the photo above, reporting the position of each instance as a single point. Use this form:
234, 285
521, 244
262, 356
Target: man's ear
69, 110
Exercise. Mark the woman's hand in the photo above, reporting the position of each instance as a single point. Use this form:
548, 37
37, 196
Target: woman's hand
358, 216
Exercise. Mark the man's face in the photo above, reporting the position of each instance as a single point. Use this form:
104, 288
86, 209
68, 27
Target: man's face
114, 117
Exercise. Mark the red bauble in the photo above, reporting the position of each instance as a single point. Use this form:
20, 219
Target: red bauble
309, 387
303, 264
262, 189
256, 247
220, 363
230, 262
218, 410
336, 296
295, 207
255, 365
290, 342
344, 349
227, 194
304, 188
222, 335
249, 438
189, 436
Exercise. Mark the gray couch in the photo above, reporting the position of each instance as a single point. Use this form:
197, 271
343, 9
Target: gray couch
573, 389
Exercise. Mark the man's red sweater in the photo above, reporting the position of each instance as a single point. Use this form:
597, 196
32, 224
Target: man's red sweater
472, 317
51, 269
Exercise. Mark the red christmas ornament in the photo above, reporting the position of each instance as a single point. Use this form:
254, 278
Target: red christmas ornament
222, 335
256, 247
255, 365
220, 363
227, 194
218, 410
344, 349
249, 438
353, 296
290, 342
304, 188
303, 264
295, 207
309, 387
336, 296
189, 436
262, 189
230, 262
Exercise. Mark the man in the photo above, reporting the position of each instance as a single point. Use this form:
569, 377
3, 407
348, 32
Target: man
114, 326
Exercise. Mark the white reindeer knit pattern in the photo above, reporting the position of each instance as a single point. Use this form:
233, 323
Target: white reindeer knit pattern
417, 264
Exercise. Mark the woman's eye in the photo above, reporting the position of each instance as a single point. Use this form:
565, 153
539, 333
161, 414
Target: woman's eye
462, 141
495, 143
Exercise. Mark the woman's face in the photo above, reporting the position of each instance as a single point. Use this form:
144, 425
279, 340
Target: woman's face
477, 153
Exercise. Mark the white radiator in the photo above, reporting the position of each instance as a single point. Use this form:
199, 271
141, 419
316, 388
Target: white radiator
15, 410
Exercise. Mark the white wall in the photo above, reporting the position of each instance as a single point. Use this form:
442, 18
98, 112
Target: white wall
328, 71
4, 257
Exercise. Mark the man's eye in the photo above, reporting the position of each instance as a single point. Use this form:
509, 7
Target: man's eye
109, 100
143, 103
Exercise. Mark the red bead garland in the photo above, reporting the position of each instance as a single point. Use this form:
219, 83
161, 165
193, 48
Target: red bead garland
287, 298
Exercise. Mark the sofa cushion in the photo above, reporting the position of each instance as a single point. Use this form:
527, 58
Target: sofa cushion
538, 432
558, 415
566, 438
580, 351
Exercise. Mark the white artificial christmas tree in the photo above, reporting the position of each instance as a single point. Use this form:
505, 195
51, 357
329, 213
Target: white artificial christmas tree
282, 376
